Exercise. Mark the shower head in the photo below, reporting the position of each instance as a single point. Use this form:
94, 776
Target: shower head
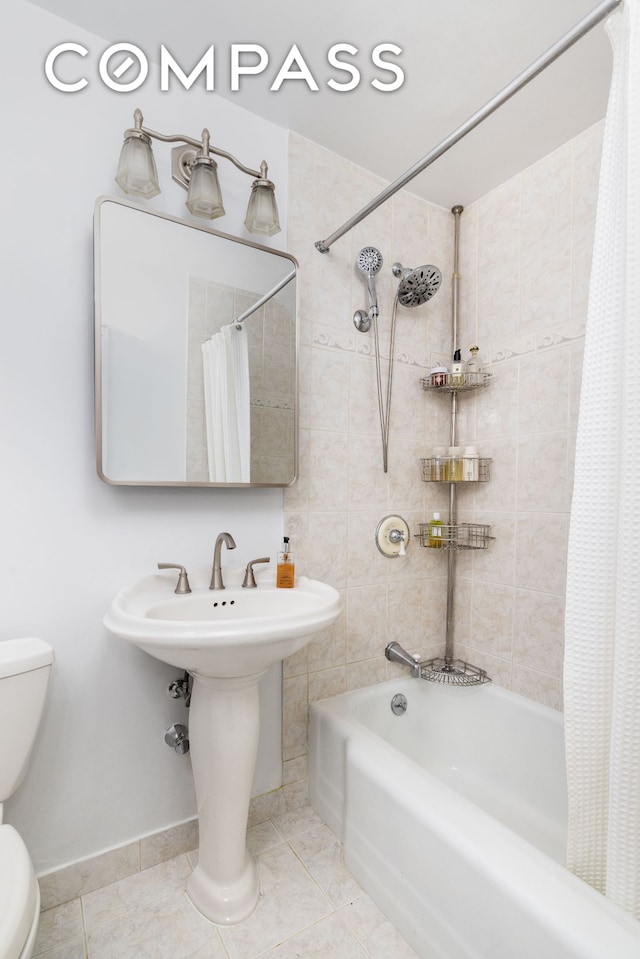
417, 286
369, 262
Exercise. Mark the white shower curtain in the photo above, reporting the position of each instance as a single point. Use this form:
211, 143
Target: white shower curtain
225, 359
602, 645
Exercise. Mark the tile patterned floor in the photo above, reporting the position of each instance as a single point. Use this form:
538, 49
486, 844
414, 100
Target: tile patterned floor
310, 908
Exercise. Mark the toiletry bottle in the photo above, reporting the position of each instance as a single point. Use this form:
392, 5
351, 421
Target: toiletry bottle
473, 364
470, 464
457, 370
439, 463
427, 472
285, 569
454, 471
435, 532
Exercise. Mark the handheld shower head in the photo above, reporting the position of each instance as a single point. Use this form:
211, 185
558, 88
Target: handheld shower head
417, 286
369, 262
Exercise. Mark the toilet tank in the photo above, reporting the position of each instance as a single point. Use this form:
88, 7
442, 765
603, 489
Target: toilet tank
25, 665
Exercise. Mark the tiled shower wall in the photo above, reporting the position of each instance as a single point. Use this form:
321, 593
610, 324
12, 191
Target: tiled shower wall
342, 493
525, 261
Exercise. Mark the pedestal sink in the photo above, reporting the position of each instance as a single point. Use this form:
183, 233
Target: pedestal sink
227, 639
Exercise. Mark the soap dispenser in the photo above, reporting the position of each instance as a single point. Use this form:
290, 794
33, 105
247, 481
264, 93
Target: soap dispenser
457, 370
285, 569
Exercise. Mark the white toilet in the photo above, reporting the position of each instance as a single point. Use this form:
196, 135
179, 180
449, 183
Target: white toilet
25, 665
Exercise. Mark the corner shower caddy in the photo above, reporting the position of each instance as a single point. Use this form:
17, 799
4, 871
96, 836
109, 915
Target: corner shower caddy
455, 536
442, 469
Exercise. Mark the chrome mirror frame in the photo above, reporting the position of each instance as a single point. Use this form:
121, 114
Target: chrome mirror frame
99, 353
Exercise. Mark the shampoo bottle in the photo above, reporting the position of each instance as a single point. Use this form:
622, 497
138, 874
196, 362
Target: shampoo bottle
439, 464
454, 465
285, 569
471, 464
435, 532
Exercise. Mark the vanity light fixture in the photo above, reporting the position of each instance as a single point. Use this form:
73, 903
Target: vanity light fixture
193, 167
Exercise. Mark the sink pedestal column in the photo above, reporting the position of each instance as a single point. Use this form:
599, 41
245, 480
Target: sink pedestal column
224, 727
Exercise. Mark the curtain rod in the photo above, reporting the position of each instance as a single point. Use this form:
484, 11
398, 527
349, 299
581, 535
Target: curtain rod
263, 299
561, 46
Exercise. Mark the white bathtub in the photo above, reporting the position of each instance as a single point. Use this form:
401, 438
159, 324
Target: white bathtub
453, 817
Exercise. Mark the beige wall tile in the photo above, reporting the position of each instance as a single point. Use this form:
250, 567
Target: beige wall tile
538, 631
327, 682
541, 548
169, 843
90, 874
525, 261
294, 716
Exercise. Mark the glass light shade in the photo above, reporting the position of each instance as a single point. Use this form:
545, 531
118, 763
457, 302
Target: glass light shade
137, 174
262, 211
204, 197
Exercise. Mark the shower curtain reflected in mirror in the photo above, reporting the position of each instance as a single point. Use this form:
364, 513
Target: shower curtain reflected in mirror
602, 642
225, 359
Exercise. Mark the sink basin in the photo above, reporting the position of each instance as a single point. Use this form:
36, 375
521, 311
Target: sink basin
223, 633
227, 639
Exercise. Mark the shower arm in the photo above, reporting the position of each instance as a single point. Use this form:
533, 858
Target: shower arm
580, 30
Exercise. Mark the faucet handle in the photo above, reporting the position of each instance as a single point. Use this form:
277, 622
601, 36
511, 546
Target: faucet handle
183, 579
249, 581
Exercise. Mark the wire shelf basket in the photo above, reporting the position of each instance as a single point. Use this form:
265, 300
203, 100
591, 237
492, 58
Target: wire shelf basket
455, 469
455, 382
455, 536
455, 673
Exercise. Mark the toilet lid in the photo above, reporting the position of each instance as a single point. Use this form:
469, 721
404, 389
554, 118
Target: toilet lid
18, 893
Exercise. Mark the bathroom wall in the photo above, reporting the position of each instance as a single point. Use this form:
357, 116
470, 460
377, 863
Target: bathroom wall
101, 774
525, 264
525, 261
333, 511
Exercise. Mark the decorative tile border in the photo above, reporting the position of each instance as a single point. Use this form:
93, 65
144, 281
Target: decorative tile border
328, 339
537, 343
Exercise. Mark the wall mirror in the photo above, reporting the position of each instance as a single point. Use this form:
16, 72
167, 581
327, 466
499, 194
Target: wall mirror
196, 353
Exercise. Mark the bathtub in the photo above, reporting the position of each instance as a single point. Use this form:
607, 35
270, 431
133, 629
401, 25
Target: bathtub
453, 817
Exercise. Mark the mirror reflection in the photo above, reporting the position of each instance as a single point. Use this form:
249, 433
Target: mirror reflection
196, 348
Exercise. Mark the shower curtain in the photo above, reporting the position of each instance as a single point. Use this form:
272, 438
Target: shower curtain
602, 636
225, 358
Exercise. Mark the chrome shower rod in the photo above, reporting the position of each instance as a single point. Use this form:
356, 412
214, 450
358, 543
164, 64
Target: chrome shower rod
263, 299
561, 46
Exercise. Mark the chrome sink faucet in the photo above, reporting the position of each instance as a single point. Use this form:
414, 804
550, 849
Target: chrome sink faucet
216, 574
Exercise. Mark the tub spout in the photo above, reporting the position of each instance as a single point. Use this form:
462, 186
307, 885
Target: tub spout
396, 654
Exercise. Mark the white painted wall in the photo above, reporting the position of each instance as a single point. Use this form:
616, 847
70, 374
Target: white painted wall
101, 773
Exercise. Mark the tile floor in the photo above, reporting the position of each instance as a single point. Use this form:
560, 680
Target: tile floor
311, 908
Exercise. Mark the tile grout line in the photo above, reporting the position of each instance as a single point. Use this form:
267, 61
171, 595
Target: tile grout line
334, 910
